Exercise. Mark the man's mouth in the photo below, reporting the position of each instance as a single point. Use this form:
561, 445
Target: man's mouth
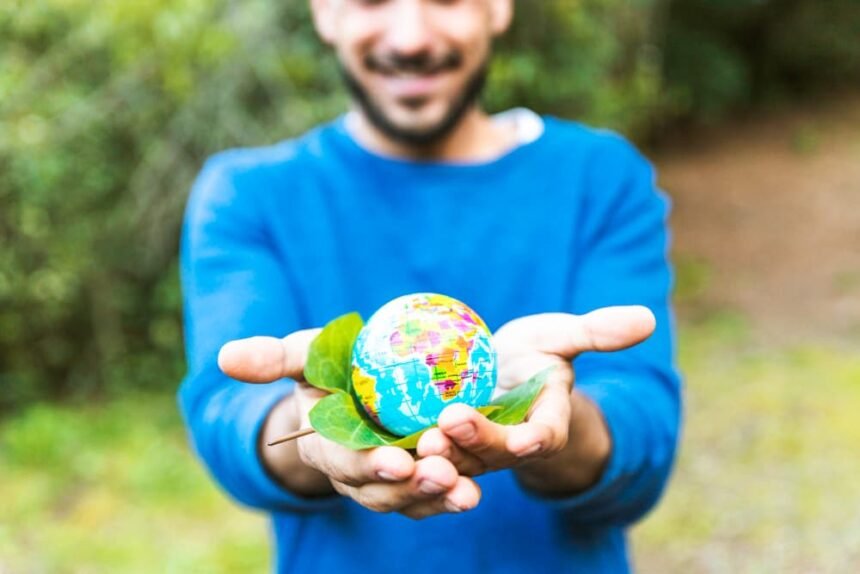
411, 87
412, 78
422, 63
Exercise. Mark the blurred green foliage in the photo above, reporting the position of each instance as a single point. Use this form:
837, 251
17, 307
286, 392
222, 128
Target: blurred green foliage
763, 480
113, 488
108, 109
722, 55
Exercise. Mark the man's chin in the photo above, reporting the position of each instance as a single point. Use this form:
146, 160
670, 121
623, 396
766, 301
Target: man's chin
416, 130
420, 127
413, 127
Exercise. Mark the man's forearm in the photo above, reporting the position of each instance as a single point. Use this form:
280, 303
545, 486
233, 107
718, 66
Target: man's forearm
283, 461
581, 463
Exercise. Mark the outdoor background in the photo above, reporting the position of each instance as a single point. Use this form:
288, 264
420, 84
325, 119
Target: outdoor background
750, 109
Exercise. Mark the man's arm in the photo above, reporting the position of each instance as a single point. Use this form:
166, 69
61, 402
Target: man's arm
383, 479
580, 463
625, 247
564, 444
235, 287
607, 448
576, 464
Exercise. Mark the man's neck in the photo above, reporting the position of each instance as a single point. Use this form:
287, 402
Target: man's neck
475, 138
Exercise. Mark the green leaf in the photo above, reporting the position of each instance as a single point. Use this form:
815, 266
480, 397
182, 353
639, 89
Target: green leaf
515, 404
328, 364
337, 418
488, 410
410, 441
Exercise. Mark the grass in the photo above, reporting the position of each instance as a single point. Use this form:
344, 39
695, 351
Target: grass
767, 476
113, 488
766, 480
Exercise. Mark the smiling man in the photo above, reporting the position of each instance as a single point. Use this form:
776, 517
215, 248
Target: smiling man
552, 231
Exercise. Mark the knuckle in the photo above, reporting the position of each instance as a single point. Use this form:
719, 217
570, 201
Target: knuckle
550, 437
550, 450
344, 474
341, 488
351, 480
479, 443
376, 505
377, 499
554, 437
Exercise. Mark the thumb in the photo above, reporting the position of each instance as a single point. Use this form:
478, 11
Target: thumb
567, 335
267, 359
616, 328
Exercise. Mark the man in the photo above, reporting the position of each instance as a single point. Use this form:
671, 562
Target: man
553, 232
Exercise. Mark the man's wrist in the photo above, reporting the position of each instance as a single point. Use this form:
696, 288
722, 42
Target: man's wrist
581, 463
283, 462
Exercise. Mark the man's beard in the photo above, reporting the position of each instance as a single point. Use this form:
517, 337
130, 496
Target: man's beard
424, 137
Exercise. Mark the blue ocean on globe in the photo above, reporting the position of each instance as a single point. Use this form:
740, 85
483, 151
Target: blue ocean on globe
418, 354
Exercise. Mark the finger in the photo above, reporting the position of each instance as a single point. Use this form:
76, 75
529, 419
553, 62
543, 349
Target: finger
267, 359
465, 495
566, 335
546, 430
475, 433
356, 467
433, 477
436, 443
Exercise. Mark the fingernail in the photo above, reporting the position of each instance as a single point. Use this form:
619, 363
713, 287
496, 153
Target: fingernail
531, 450
451, 507
386, 476
430, 487
463, 431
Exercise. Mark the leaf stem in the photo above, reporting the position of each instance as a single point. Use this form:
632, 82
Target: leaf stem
292, 436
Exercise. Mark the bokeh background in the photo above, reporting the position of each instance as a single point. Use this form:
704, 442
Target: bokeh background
749, 108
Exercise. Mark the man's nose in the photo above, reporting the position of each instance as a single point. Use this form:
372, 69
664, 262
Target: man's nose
409, 30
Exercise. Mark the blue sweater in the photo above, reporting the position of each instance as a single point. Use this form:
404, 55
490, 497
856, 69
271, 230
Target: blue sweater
290, 236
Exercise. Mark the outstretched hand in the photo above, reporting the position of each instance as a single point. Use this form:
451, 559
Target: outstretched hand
466, 443
526, 346
383, 479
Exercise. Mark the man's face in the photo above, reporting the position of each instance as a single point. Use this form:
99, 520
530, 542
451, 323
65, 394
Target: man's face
414, 66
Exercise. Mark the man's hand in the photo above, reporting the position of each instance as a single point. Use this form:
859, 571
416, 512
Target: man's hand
383, 479
564, 444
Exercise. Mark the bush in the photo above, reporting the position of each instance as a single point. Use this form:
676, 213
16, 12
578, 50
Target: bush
107, 110
731, 54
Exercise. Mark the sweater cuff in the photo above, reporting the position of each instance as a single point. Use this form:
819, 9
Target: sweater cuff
267, 492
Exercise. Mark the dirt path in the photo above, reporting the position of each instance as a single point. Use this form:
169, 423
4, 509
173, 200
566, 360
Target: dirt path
767, 217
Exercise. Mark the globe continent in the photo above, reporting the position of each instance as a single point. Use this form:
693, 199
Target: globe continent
418, 354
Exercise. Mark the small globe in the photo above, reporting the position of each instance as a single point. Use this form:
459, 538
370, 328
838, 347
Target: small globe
418, 354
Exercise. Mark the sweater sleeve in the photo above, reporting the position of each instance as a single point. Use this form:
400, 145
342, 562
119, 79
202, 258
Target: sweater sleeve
623, 242
234, 286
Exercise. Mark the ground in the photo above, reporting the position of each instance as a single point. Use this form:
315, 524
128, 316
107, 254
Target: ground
767, 245
766, 214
